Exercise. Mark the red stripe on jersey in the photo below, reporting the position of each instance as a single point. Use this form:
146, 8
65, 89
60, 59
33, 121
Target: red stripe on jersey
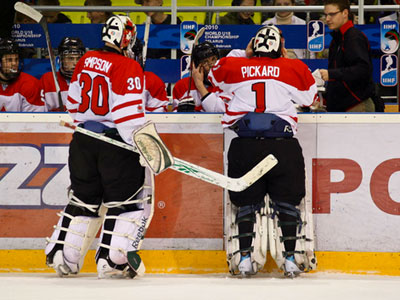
294, 118
72, 111
230, 122
126, 104
72, 100
131, 117
235, 113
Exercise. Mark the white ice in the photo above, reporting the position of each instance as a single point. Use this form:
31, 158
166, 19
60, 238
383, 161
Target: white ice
321, 286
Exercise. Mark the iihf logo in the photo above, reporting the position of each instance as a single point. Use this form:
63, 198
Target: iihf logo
389, 70
315, 36
389, 36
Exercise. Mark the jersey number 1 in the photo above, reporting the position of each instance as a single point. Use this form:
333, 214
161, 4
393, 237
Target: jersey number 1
259, 89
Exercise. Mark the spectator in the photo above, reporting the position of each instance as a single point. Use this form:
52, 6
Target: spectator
20, 91
70, 51
239, 18
98, 17
159, 18
53, 16
189, 92
350, 85
288, 18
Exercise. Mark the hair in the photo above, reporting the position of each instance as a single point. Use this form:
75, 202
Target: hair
239, 2
48, 2
342, 5
97, 2
293, 2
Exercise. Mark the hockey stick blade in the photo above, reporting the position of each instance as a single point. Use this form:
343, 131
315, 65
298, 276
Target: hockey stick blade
179, 165
28, 11
39, 18
199, 35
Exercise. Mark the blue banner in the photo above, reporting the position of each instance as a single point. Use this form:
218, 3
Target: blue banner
168, 36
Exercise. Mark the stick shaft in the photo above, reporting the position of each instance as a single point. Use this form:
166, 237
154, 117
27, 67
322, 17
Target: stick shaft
233, 184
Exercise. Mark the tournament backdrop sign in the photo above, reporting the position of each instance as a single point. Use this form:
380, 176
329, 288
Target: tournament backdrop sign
389, 70
188, 34
185, 66
389, 36
315, 36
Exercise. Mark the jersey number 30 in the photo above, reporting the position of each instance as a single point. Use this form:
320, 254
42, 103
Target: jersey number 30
99, 86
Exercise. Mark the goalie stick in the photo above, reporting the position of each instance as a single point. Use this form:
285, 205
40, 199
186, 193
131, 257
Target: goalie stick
179, 165
40, 19
146, 40
196, 41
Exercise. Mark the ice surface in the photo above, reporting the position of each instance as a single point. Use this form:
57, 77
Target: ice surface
321, 286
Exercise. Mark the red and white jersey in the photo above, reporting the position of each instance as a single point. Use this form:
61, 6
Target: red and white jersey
48, 92
180, 92
262, 84
108, 87
155, 94
21, 95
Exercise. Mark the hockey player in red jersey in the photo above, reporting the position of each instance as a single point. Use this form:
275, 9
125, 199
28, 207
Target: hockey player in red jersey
105, 96
70, 51
155, 94
261, 112
189, 92
20, 91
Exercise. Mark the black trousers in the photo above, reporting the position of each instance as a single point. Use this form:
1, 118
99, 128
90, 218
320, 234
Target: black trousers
103, 172
284, 183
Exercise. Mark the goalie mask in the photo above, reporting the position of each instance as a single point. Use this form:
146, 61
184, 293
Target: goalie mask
203, 51
10, 62
119, 31
70, 50
267, 42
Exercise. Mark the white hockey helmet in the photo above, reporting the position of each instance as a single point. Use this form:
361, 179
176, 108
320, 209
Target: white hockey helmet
267, 42
120, 31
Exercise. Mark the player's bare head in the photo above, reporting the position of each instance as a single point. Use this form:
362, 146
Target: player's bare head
10, 64
268, 42
204, 52
70, 50
120, 32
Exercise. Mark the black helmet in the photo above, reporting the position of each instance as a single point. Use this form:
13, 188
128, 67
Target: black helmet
9, 46
203, 51
69, 45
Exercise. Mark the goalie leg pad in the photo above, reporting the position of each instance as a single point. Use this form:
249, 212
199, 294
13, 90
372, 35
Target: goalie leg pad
123, 232
247, 234
72, 237
291, 236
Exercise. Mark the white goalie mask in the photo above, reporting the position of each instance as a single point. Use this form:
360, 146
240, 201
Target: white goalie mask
267, 42
120, 31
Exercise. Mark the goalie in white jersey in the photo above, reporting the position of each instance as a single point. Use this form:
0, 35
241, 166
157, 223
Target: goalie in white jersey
261, 111
105, 96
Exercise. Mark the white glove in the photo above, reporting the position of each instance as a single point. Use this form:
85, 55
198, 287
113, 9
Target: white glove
318, 80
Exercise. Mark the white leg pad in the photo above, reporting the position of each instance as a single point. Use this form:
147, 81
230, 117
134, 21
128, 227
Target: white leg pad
231, 243
260, 242
79, 236
258, 256
130, 228
305, 251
